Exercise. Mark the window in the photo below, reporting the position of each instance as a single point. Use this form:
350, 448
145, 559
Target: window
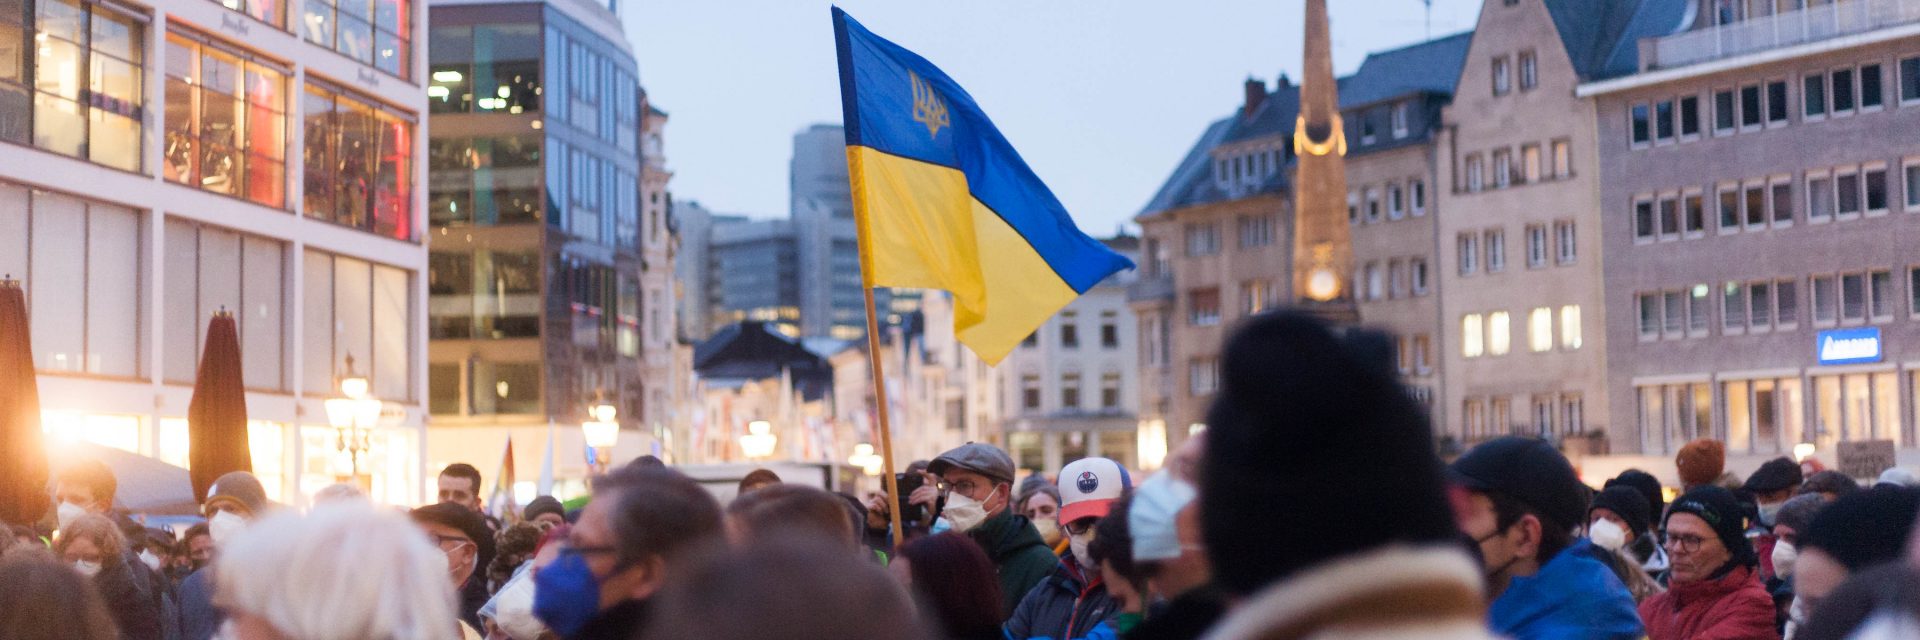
1786, 304
1872, 94
1476, 173
359, 165
1825, 294
1502, 76
1760, 305
1070, 391
1846, 187
1475, 419
492, 68
84, 276
1417, 272
1203, 240
1733, 307
1853, 297
1376, 281
1502, 168
1472, 336
1689, 116
1536, 246
1373, 204
1643, 220
1030, 392
1543, 415
1673, 313
1256, 296
1876, 186
1722, 112
1396, 203
1396, 279
226, 123
1572, 411
1529, 70
1069, 330
1649, 306
1570, 338
485, 181
1566, 250
1496, 250
1530, 163
369, 308
1399, 120
1819, 198
1422, 345
1642, 129
1110, 390
1750, 106
1419, 190
1203, 376
1913, 187
1813, 96
1756, 205
1203, 307
1501, 416
1842, 91
1109, 330
1729, 209
1366, 127
1880, 294
1540, 330
1913, 291
1669, 218
1777, 102
374, 32
86, 92
1256, 231
1499, 333
1696, 214
1469, 244
1910, 80
1698, 316
1663, 121
1782, 202
1562, 159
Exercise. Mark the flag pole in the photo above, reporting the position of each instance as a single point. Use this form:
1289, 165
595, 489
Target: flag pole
886, 429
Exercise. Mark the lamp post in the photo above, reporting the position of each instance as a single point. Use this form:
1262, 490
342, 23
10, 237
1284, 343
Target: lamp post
865, 458
601, 433
353, 417
759, 441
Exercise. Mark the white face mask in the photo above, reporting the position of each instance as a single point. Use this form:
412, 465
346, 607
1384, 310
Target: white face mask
1078, 544
513, 609
223, 526
147, 558
69, 512
1784, 556
1768, 511
1049, 529
88, 569
966, 513
1607, 535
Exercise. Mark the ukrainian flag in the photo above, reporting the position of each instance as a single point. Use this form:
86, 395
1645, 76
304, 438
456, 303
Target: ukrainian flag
942, 200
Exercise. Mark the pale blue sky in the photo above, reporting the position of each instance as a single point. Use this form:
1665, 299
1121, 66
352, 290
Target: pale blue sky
1102, 98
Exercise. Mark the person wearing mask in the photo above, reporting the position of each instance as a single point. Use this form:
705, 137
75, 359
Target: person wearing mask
1163, 520
89, 487
644, 526
196, 548
1126, 580
345, 570
1859, 530
545, 511
46, 599
1522, 503
1617, 522
1071, 601
1039, 501
96, 548
1645, 545
1794, 517
1770, 486
462, 536
954, 584
978, 482
235, 499
1302, 527
1713, 590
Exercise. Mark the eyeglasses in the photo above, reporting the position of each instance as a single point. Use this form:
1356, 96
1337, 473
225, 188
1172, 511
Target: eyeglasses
1684, 543
441, 541
1082, 526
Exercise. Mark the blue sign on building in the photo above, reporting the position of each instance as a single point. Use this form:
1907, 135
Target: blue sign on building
1849, 346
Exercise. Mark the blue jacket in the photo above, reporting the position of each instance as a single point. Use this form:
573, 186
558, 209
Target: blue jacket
199, 619
1573, 596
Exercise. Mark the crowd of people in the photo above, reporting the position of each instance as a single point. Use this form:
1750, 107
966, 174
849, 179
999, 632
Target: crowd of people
1314, 506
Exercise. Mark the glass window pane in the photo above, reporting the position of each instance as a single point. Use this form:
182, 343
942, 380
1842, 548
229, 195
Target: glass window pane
353, 313
317, 23
318, 361
1766, 416
56, 293
181, 309
63, 19
262, 320
321, 140
59, 125
1857, 409
1886, 407
114, 140
113, 291
392, 379
116, 35
355, 37
1739, 417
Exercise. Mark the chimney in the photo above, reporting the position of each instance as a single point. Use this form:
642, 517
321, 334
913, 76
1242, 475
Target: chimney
1256, 94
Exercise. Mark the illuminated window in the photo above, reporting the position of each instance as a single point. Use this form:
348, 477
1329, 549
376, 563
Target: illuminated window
87, 95
374, 32
1540, 330
226, 121
359, 162
1499, 333
1570, 327
1472, 336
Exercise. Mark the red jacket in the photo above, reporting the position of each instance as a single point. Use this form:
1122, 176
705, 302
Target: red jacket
1734, 607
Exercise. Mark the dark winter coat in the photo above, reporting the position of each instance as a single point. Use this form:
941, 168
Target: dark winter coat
131, 600
1183, 618
199, 619
1019, 555
1731, 607
1068, 604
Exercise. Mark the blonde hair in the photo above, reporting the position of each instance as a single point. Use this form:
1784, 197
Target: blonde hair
346, 571
98, 529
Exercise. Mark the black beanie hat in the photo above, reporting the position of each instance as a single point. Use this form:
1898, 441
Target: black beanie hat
1777, 474
1864, 527
543, 504
1722, 511
1648, 486
1627, 503
1314, 452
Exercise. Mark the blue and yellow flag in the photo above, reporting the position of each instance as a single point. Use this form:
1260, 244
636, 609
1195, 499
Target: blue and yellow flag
944, 202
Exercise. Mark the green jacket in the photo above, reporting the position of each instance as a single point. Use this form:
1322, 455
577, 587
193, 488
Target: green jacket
1018, 553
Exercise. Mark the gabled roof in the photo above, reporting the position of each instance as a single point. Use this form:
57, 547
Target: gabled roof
1427, 67
752, 351
1602, 37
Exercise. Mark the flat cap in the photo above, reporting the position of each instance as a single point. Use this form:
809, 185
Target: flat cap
984, 459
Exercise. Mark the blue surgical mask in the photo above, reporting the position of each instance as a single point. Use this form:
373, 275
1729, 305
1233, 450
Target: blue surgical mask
565, 594
1156, 505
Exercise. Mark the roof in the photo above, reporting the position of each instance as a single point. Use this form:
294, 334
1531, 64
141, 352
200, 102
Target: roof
752, 351
1427, 67
1602, 37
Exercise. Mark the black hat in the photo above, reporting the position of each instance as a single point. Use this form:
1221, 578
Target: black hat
469, 522
1830, 481
1864, 527
1722, 511
1777, 474
543, 504
1798, 512
1297, 439
1528, 470
1626, 502
236, 488
1648, 486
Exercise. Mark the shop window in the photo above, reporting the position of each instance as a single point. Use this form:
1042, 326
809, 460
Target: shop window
87, 97
359, 162
226, 123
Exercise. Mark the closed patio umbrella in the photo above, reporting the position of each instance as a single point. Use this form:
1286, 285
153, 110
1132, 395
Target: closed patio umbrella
217, 415
23, 457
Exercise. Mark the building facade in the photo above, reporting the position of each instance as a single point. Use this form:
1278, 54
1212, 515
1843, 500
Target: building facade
1071, 390
1757, 199
550, 238
174, 159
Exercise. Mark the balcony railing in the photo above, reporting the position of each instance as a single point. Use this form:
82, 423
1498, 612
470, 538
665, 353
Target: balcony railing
1151, 288
1822, 21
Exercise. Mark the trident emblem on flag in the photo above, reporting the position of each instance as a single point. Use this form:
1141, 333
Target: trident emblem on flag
927, 107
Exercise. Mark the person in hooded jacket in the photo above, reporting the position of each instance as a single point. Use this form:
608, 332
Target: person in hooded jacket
1645, 545
1071, 601
1714, 592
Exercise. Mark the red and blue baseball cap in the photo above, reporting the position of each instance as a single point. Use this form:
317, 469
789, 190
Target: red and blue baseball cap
1089, 486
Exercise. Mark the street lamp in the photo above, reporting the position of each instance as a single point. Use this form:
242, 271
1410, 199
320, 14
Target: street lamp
759, 441
866, 459
601, 433
353, 418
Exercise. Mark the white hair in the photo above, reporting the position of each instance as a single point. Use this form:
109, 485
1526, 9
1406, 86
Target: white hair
346, 571
339, 492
